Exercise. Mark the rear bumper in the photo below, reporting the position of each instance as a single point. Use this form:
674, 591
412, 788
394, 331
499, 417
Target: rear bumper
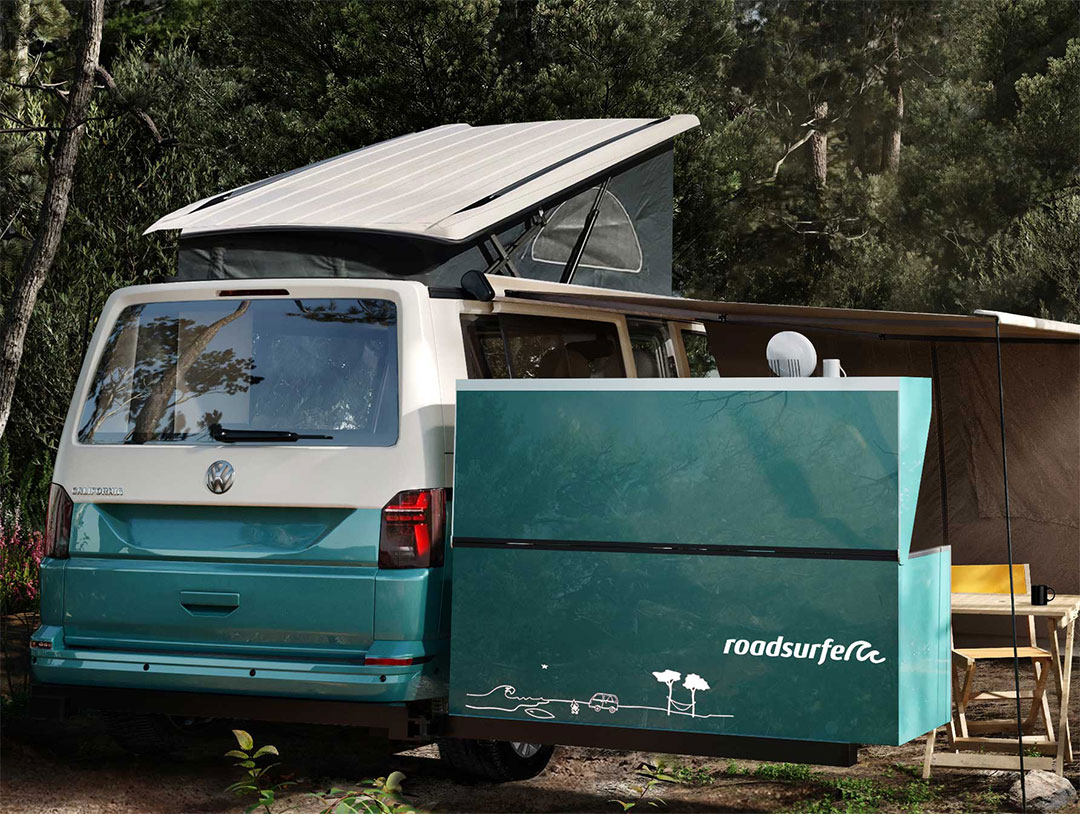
398, 721
185, 673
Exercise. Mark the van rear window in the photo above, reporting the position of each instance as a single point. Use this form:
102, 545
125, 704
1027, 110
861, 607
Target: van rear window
181, 372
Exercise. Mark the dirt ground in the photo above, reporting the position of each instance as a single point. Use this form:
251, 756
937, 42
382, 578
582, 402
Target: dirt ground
74, 767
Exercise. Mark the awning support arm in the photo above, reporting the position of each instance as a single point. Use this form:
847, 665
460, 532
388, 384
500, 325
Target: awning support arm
504, 258
505, 255
583, 237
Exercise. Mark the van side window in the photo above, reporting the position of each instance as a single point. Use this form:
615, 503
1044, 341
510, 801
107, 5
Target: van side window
652, 349
698, 356
519, 346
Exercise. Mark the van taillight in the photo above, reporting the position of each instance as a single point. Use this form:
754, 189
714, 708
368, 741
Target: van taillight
58, 522
413, 524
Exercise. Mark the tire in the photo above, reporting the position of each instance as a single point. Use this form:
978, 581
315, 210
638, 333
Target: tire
500, 761
144, 734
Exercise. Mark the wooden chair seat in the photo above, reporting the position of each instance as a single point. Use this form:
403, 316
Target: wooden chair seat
977, 653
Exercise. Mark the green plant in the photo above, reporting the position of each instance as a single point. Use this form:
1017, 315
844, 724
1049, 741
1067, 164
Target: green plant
693, 775
916, 793
379, 796
903, 768
860, 794
254, 784
654, 776
785, 773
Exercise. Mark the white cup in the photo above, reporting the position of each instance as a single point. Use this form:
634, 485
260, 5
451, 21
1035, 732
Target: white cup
830, 368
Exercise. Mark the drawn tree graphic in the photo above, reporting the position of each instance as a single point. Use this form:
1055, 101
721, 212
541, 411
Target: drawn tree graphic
694, 682
668, 677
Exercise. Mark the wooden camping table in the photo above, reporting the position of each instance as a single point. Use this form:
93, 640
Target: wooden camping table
1060, 615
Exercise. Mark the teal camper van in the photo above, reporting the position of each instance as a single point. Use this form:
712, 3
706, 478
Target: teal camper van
418, 440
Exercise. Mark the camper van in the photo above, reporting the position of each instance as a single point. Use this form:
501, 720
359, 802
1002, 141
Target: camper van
254, 513
253, 491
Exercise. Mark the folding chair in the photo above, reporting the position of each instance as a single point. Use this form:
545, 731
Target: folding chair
964, 734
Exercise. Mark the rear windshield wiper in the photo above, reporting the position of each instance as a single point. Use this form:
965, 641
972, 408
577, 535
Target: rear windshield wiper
219, 433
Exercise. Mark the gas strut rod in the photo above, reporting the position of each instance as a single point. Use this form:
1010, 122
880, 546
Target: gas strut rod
583, 237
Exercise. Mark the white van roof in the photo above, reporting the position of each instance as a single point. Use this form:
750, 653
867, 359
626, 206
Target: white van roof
448, 183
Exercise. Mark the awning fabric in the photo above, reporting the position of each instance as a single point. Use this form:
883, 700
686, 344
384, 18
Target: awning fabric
961, 500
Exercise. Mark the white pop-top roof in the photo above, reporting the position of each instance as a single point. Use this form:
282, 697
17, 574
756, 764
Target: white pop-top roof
448, 183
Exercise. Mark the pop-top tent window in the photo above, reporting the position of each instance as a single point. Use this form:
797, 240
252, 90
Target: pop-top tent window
613, 245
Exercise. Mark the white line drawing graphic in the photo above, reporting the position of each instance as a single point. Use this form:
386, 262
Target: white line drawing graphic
694, 682
604, 700
668, 677
504, 698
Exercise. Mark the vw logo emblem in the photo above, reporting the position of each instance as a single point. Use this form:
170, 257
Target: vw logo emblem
219, 477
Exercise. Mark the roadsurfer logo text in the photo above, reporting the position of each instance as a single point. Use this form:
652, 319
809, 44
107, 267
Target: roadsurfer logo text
820, 652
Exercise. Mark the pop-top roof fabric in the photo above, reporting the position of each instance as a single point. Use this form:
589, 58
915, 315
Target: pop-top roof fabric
450, 183
629, 249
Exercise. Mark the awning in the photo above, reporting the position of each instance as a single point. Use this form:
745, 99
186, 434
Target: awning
883, 324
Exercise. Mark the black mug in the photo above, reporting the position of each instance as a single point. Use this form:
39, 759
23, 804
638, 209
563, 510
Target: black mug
1039, 594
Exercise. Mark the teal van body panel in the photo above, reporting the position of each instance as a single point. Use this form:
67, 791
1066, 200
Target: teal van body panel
924, 618
913, 424
613, 466
52, 591
295, 678
273, 581
197, 597
240, 533
407, 603
556, 628
690, 558
277, 609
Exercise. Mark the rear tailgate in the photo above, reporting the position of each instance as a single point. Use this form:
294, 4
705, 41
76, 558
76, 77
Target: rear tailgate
281, 582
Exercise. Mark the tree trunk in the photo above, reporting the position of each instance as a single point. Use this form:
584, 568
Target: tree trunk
857, 131
819, 145
890, 138
54, 207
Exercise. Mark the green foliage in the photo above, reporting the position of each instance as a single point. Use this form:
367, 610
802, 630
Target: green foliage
692, 775
653, 776
841, 795
382, 795
983, 210
255, 786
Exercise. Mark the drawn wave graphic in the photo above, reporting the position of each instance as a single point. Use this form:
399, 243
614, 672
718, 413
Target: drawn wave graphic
508, 693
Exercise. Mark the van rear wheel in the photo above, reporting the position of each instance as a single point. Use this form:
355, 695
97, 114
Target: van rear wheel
501, 761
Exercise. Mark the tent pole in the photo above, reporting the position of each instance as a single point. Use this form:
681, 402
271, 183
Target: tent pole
583, 236
1012, 587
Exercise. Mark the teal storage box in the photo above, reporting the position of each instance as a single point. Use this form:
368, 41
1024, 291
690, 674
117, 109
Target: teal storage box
710, 556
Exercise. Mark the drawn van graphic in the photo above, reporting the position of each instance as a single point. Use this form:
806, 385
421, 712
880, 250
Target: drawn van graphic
604, 700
